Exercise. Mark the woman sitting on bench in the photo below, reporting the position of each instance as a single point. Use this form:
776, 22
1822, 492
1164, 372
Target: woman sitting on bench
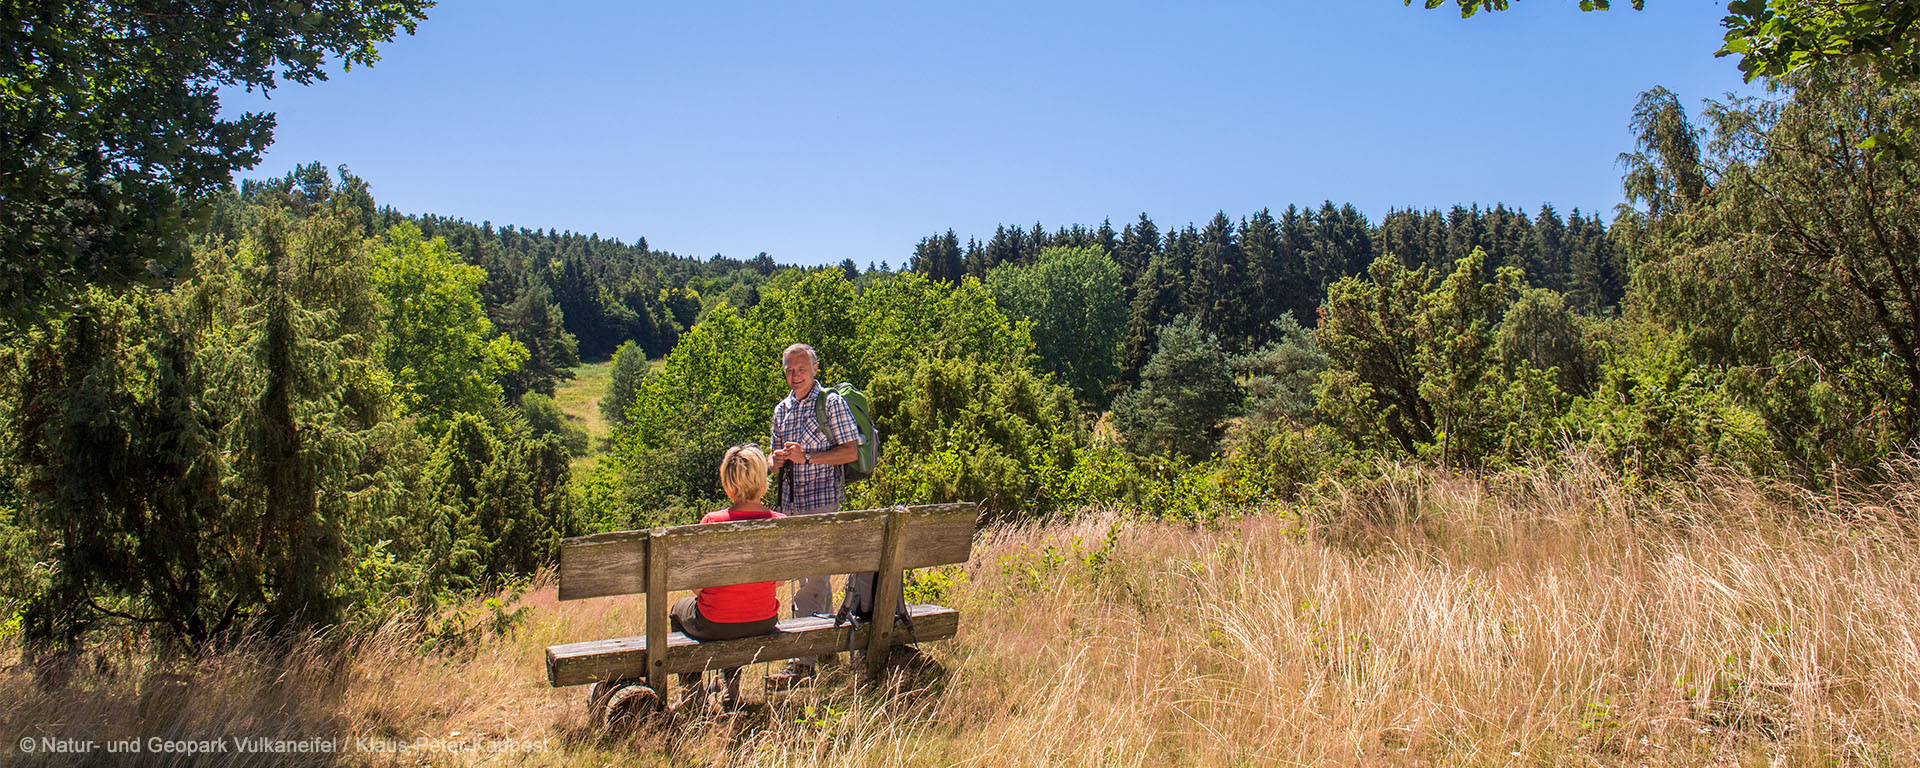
738, 610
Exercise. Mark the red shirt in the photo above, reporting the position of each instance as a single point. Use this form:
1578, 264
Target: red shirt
738, 603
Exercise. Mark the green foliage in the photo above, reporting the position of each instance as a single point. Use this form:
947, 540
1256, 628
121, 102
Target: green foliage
1220, 296
506, 493
603, 292
1156, 302
1656, 414
1102, 474
113, 122
438, 344
1072, 295
1455, 326
1276, 460
536, 323
1793, 272
1371, 389
186, 458
1185, 395
717, 388
630, 367
971, 429
1414, 366
909, 318
1470, 7
224, 457
939, 258
19, 579
1776, 38
1540, 331
1280, 377
1665, 175
544, 417
1194, 492
1780, 38
598, 493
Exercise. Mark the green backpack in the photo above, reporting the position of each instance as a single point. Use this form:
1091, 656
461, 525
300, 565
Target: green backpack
859, 468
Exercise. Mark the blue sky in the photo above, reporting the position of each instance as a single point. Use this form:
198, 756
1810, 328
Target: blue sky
821, 131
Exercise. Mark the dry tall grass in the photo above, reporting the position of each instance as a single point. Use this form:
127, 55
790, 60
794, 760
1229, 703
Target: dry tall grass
1540, 619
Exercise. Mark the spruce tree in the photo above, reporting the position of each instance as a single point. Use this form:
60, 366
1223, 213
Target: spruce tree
1139, 243
1299, 291
1465, 232
1399, 236
939, 258
1267, 271
1006, 247
1548, 269
1105, 238
1155, 295
1217, 292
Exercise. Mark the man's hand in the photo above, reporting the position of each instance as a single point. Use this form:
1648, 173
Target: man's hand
791, 452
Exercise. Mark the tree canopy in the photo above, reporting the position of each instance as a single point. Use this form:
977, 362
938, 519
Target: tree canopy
110, 121
1774, 38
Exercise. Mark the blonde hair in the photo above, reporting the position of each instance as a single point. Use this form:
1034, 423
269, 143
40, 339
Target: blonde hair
743, 472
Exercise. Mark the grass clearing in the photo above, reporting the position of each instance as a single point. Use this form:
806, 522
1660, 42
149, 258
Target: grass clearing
579, 399
1542, 619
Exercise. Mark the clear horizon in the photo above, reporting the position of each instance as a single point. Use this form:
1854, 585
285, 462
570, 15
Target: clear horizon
817, 134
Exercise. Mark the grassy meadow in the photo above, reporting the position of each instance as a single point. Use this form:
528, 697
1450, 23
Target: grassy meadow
579, 399
1423, 619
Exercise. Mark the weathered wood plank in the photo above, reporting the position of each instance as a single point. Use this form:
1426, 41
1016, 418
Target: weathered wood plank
658, 560
765, 550
886, 594
626, 658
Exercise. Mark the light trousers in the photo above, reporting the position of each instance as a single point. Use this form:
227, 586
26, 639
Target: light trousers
813, 595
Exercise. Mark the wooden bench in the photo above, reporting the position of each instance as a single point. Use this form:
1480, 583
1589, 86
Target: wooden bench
657, 561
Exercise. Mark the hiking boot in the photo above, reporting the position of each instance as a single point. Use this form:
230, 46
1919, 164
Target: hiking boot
795, 674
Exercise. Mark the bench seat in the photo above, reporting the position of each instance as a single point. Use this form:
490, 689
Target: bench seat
625, 658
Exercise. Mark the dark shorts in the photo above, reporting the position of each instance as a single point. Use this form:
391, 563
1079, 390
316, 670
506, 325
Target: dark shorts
684, 617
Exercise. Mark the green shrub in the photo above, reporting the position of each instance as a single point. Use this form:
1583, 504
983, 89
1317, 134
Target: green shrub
1656, 414
629, 368
1275, 460
544, 417
971, 429
1415, 367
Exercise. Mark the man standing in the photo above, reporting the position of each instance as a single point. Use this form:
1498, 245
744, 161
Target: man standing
809, 458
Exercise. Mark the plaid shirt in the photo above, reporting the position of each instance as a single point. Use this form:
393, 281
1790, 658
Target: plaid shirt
814, 485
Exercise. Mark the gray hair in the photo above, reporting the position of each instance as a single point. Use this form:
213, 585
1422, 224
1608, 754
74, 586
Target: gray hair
812, 356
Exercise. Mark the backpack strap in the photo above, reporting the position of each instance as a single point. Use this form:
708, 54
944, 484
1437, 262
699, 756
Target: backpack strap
820, 415
820, 418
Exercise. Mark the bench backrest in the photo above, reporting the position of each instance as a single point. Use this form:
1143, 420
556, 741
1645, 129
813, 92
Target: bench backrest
716, 554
